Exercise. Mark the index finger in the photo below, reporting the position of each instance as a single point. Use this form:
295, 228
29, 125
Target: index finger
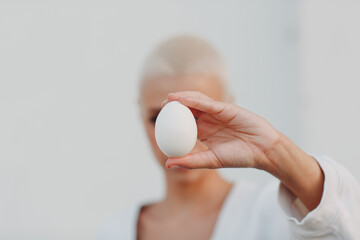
175, 96
197, 101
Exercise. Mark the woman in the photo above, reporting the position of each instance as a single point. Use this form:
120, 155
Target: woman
311, 197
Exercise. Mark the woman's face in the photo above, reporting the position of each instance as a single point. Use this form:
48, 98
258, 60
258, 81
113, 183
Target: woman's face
155, 91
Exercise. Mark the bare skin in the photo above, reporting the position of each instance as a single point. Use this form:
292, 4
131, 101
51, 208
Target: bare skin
229, 136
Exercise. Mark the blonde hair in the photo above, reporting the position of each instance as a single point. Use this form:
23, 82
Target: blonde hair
184, 55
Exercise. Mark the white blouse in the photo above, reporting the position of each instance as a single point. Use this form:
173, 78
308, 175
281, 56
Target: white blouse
271, 211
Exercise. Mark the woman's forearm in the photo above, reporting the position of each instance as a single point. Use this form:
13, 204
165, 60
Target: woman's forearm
298, 171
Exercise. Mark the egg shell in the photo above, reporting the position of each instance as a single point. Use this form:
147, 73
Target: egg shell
175, 130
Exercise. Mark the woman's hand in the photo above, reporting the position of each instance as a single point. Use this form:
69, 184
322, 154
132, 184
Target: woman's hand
239, 138
235, 136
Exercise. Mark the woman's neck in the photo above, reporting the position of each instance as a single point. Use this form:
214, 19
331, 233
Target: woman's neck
195, 193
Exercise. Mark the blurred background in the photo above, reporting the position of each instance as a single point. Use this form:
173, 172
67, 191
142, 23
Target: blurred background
72, 147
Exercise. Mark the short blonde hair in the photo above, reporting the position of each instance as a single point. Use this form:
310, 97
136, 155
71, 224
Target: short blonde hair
185, 55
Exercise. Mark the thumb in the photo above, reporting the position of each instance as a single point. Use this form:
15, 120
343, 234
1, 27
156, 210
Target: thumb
204, 159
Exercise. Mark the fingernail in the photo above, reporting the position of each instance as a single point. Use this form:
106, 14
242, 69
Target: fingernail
170, 94
174, 167
162, 104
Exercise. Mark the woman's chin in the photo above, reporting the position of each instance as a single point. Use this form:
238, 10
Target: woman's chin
187, 175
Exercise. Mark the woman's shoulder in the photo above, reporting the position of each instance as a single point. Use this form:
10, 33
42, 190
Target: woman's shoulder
246, 189
251, 210
248, 198
261, 197
256, 199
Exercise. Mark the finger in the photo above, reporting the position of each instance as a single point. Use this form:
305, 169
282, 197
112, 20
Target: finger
196, 113
175, 96
204, 105
204, 159
196, 94
200, 103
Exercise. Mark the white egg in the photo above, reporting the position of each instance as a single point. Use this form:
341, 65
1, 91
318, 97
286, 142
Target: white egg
175, 130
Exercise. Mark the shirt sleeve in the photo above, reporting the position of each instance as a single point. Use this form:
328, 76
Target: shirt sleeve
338, 214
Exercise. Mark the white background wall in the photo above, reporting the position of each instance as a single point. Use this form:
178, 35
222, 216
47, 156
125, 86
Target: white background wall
330, 79
72, 148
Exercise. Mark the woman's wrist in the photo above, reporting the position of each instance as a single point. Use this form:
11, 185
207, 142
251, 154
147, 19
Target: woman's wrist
298, 171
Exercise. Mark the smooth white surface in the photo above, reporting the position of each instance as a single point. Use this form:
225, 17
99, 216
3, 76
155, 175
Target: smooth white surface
175, 130
330, 73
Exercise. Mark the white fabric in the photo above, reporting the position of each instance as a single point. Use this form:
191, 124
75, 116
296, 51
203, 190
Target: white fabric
271, 211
